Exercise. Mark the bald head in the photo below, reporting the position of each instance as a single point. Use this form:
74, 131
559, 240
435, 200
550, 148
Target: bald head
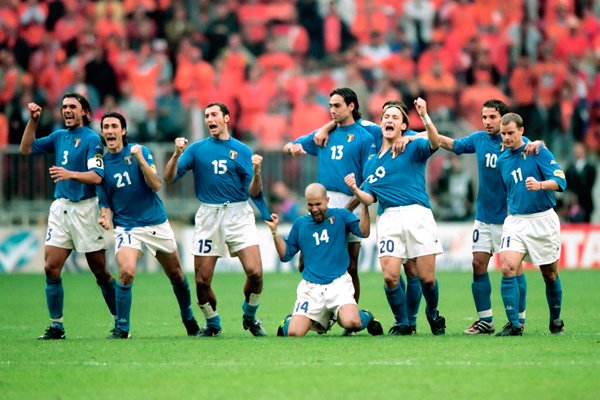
315, 190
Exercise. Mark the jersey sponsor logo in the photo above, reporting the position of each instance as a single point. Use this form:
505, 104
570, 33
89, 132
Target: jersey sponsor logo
127, 160
553, 162
350, 137
559, 173
232, 154
331, 220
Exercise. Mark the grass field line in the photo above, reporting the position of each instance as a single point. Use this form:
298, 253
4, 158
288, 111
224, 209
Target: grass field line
296, 364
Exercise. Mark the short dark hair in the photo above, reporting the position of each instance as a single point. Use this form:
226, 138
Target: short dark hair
512, 117
85, 105
122, 120
222, 106
498, 105
400, 105
349, 97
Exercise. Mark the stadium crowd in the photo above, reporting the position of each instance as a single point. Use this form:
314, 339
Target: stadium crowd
275, 61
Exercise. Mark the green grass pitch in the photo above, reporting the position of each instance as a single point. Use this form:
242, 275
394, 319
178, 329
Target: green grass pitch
161, 362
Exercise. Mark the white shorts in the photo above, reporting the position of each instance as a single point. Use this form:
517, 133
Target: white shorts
320, 303
407, 232
74, 225
156, 238
340, 200
486, 237
535, 235
224, 229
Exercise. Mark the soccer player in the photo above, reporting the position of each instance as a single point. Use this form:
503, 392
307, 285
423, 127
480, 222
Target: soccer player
411, 290
226, 173
326, 292
347, 151
532, 230
406, 229
74, 212
130, 173
490, 211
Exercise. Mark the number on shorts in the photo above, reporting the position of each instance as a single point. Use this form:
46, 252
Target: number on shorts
121, 240
204, 246
49, 235
386, 245
302, 306
475, 235
507, 241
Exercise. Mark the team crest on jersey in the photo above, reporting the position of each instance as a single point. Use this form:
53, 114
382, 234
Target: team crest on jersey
76, 142
331, 220
350, 137
128, 160
232, 154
523, 155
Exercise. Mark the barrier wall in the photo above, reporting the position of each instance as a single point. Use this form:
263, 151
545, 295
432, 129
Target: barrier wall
22, 250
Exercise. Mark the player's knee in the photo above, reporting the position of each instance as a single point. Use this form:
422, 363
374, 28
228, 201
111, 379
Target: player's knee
295, 332
254, 275
126, 276
549, 275
391, 280
479, 267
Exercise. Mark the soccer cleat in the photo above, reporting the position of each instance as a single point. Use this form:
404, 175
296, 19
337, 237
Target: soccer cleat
401, 330
52, 333
207, 331
438, 325
480, 327
374, 327
191, 326
119, 334
510, 330
413, 328
348, 333
280, 327
557, 327
253, 325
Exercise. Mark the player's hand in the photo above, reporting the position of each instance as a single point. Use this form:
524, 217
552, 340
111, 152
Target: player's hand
399, 145
180, 144
35, 111
532, 184
421, 106
296, 150
256, 163
105, 221
274, 223
321, 137
59, 174
533, 147
136, 151
350, 180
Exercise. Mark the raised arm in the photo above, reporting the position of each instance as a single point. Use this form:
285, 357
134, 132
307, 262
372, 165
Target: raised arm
171, 168
35, 112
150, 175
432, 133
362, 196
280, 245
256, 184
446, 143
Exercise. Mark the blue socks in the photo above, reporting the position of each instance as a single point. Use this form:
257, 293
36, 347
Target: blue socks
123, 306
414, 292
554, 298
522, 297
365, 318
431, 300
249, 311
109, 294
55, 296
214, 322
396, 298
510, 296
184, 299
482, 292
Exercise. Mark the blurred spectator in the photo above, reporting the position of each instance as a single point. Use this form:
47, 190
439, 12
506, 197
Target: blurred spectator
483, 63
581, 177
549, 77
336, 34
223, 24
109, 21
373, 54
32, 18
179, 26
134, 109
271, 127
308, 113
101, 75
171, 120
384, 91
56, 76
441, 90
143, 74
140, 27
522, 89
472, 97
572, 43
274, 61
311, 20
455, 192
526, 39
283, 202
418, 22
70, 28
10, 75
254, 96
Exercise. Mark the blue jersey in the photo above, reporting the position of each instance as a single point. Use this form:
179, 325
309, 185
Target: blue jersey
324, 245
222, 170
374, 130
77, 150
491, 196
125, 191
516, 167
399, 181
347, 151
